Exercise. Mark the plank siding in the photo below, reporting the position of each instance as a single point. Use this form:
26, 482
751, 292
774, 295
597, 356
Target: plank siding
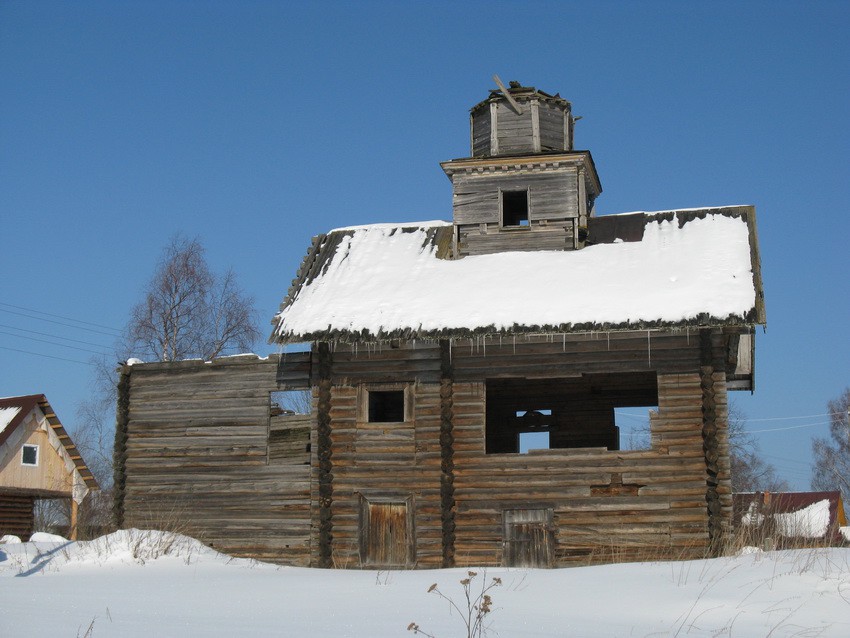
481, 133
552, 194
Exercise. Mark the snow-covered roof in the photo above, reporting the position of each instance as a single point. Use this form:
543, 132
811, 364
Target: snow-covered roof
793, 514
6, 416
682, 268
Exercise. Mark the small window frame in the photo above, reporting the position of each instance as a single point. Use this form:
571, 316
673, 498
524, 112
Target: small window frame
24, 448
363, 400
510, 194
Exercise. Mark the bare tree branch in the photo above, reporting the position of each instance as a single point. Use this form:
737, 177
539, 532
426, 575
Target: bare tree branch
750, 472
188, 312
831, 468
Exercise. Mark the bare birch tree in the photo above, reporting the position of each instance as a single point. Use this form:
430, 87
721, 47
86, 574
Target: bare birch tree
188, 312
750, 472
831, 469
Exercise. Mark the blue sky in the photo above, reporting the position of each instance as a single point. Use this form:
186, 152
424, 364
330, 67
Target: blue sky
256, 125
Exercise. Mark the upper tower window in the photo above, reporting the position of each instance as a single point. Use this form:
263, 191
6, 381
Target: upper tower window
515, 208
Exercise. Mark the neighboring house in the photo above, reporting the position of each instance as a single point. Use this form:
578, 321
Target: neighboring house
38, 460
464, 378
791, 519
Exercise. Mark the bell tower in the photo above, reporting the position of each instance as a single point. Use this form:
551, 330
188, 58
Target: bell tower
524, 187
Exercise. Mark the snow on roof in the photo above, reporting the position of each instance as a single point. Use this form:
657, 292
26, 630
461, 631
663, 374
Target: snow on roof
377, 281
810, 522
6, 416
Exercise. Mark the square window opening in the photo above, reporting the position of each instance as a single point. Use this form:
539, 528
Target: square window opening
290, 414
515, 208
572, 413
533, 441
29, 455
386, 406
634, 424
290, 402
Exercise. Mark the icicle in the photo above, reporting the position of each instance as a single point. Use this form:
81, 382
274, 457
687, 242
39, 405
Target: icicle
688, 335
484, 349
608, 340
648, 350
514, 344
450, 351
564, 340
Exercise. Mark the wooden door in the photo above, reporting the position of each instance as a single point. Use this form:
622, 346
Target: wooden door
528, 538
385, 535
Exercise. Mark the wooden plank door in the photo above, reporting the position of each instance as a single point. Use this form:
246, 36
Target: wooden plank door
528, 538
385, 534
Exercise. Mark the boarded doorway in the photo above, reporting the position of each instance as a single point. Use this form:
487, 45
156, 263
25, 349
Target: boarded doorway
528, 538
386, 533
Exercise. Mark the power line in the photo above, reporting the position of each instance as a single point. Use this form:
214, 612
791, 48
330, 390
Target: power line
67, 325
49, 356
50, 314
790, 427
47, 334
787, 418
53, 343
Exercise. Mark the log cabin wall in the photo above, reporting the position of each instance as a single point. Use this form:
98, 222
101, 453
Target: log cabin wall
397, 472
387, 466
602, 504
16, 514
197, 457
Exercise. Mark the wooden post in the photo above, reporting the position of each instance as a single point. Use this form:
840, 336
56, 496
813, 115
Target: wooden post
119, 450
447, 501
324, 454
72, 531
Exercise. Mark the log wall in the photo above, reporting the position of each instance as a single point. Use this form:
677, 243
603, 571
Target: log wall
16, 515
605, 504
205, 454
198, 461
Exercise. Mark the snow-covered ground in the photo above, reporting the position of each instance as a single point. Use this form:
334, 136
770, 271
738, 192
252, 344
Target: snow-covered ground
136, 583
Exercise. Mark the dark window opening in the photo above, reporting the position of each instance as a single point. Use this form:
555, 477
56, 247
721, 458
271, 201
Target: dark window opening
515, 208
29, 455
386, 406
527, 414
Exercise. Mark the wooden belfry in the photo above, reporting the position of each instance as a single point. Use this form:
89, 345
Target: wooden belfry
524, 187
